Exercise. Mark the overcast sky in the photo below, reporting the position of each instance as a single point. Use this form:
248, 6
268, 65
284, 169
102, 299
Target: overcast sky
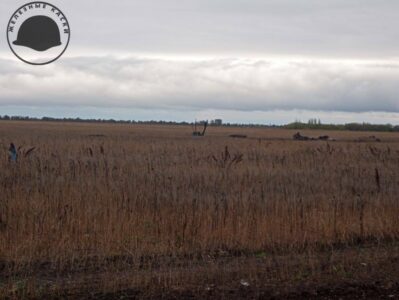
268, 61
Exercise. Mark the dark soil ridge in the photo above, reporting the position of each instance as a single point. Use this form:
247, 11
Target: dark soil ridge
344, 291
353, 273
95, 264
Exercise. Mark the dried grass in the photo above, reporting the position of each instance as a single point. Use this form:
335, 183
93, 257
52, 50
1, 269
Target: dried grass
86, 193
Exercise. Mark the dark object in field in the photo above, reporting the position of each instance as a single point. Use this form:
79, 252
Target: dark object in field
371, 138
238, 136
12, 153
298, 137
374, 138
199, 133
324, 138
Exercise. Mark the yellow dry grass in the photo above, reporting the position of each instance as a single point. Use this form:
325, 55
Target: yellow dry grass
99, 191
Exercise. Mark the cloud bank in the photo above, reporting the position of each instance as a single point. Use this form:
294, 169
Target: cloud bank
327, 28
204, 84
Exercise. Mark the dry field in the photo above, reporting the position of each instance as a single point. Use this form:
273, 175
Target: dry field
100, 210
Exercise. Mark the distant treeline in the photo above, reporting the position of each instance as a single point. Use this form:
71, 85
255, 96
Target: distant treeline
79, 120
151, 122
349, 126
312, 124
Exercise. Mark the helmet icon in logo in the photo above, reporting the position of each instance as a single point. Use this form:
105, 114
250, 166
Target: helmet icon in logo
39, 33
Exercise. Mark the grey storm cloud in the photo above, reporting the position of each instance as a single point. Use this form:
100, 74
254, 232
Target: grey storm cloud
231, 84
338, 28
333, 28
